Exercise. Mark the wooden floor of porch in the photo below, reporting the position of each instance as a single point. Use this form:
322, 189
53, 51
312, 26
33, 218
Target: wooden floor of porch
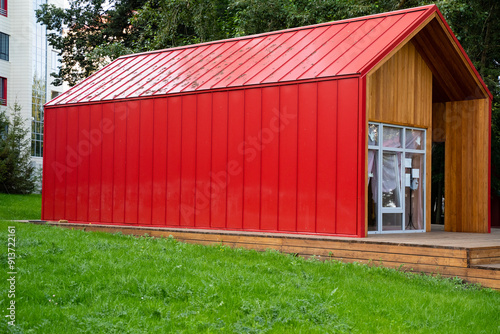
474, 257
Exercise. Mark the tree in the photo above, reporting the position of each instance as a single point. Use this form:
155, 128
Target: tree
77, 31
16, 169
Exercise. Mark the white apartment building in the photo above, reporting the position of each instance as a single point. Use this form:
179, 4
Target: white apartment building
26, 61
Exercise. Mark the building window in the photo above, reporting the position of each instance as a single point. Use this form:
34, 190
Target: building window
3, 91
4, 46
3, 7
54, 94
55, 61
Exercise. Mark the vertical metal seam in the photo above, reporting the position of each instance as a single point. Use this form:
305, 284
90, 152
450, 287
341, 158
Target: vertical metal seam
78, 164
88, 168
180, 161
101, 118
211, 155
243, 167
195, 156
227, 149
55, 159
260, 152
152, 159
139, 164
126, 164
113, 162
297, 92
279, 160
316, 167
336, 155
66, 163
165, 200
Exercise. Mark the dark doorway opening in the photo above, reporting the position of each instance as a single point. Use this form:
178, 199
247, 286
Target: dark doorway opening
437, 184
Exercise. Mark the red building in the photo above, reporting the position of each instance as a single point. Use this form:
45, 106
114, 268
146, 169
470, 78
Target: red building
322, 129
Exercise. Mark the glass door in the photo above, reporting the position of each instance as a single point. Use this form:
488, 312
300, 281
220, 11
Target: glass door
396, 171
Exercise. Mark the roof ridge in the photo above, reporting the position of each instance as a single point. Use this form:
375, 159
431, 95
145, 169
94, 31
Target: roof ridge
269, 33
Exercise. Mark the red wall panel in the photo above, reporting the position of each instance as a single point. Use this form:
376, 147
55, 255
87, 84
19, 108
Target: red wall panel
279, 158
146, 162
72, 161
48, 196
218, 176
203, 160
235, 137
119, 161
306, 159
287, 202
327, 157
188, 160
60, 165
159, 195
251, 149
95, 138
174, 132
84, 149
107, 169
269, 141
132, 161
347, 156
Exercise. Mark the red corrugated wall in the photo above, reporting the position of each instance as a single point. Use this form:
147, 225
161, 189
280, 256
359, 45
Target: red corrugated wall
281, 158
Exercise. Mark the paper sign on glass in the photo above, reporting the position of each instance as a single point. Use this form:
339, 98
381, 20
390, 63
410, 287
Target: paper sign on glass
408, 180
407, 162
415, 173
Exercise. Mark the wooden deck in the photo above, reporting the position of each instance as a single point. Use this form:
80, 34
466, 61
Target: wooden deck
472, 256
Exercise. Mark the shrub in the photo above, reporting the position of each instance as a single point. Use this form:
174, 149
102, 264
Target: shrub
16, 169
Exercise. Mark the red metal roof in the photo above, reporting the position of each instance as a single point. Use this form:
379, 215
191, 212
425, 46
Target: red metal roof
339, 48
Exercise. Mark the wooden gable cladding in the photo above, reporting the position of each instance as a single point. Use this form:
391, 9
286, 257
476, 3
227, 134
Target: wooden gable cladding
454, 78
400, 91
466, 164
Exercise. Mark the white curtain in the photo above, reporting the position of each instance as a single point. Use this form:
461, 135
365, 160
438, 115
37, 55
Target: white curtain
391, 178
372, 170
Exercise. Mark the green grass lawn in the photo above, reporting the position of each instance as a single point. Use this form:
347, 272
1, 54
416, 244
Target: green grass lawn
70, 281
20, 206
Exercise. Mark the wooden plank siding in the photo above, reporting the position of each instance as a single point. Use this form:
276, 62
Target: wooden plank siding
400, 92
447, 261
466, 164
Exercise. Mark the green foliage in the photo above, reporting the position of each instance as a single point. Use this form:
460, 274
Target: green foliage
16, 169
70, 281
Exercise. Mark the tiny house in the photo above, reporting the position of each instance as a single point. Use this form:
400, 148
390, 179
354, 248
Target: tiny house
324, 129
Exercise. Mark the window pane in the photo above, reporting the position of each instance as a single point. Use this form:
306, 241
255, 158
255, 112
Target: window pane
415, 139
392, 137
373, 134
392, 222
391, 180
414, 192
373, 181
